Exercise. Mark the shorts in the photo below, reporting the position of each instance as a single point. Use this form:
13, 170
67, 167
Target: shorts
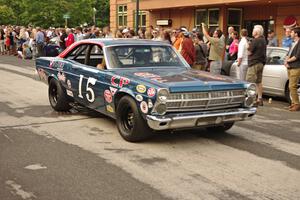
255, 73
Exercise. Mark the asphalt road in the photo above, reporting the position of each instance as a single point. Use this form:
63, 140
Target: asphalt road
80, 155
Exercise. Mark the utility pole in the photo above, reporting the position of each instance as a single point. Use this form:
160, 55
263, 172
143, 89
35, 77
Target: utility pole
137, 18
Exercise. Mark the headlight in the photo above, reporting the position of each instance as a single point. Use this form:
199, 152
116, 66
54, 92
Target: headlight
161, 109
162, 95
251, 90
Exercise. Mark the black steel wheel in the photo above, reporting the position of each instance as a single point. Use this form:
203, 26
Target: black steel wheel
131, 125
57, 96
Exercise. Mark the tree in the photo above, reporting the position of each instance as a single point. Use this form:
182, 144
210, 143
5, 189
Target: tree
46, 13
6, 15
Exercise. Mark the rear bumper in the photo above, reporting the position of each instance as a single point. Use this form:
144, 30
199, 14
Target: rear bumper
198, 119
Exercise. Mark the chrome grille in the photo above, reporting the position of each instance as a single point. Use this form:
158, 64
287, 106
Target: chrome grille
205, 100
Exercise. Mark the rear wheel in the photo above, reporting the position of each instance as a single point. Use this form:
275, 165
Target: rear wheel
57, 96
132, 127
222, 128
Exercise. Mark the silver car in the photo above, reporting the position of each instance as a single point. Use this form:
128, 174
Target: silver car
275, 76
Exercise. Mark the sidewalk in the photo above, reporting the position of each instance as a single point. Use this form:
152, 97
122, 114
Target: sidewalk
14, 60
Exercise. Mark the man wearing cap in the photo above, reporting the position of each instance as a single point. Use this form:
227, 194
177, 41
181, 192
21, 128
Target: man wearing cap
293, 65
217, 45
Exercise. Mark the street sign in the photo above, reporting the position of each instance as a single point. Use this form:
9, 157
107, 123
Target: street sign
66, 16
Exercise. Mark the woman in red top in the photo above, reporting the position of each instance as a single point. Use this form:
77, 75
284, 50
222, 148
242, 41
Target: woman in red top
70, 39
7, 42
233, 48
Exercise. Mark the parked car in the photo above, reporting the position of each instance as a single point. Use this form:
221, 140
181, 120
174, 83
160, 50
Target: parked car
144, 85
275, 77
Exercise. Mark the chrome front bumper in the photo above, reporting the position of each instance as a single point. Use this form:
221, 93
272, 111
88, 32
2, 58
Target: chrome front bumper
198, 119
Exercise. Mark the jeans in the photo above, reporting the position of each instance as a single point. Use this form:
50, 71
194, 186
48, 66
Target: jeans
215, 67
294, 76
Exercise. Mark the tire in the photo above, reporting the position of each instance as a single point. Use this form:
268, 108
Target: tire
132, 127
57, 96
223, 128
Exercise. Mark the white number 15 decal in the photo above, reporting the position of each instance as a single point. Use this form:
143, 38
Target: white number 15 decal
91, 95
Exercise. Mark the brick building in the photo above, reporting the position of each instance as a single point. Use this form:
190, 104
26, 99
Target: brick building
272, 14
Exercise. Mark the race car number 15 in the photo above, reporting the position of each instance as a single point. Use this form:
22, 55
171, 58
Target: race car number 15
90, 95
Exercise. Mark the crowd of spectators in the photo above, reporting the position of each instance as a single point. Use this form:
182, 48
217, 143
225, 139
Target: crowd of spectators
203, 50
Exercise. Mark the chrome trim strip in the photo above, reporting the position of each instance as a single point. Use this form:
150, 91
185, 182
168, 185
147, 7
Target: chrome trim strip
198, 119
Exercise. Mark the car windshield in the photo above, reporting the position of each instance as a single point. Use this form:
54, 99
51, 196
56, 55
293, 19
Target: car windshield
142, 56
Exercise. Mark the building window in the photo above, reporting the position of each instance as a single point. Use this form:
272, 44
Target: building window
209, 17
122, 15
234, 18
142, 18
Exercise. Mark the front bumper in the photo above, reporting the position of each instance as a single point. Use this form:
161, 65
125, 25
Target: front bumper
198, 119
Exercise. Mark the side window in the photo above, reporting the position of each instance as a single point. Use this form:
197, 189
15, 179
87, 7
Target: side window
96, 57
78, 54
276, 57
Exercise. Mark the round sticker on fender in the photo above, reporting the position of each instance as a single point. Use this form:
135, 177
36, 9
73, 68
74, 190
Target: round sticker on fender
141, 88
144, 107
151, 92
108, 96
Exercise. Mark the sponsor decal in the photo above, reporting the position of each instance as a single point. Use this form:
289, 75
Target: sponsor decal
110, 109
61, 76
69, 84
141, 88
42, 74
144, 107
123, 81
113, 90
108, 96
70, 93
151, 92
61, 66
118, 81
150, 104
146, 75
113, 80
139, 97
51, 63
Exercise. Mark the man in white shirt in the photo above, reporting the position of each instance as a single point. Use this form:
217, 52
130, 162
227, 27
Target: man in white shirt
243, 55
78, 36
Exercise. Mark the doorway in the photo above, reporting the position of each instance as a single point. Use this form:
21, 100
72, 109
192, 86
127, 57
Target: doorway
250, 25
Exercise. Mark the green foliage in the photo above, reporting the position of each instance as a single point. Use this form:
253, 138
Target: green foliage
6, 15
46, 13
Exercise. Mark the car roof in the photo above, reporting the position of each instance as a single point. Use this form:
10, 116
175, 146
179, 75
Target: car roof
124, 41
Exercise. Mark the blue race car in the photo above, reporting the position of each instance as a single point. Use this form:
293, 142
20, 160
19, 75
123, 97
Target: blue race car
144, 85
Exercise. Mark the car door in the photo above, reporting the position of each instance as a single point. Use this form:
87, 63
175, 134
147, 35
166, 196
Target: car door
275, 72
74, 62
91, 79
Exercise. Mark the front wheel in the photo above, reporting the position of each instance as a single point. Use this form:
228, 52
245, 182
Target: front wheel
222, 128
132, 127
57, 96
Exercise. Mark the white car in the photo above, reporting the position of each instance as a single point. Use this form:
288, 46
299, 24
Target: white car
275, 76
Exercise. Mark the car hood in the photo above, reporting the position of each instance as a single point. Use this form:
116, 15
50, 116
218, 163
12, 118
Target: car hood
181, 79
